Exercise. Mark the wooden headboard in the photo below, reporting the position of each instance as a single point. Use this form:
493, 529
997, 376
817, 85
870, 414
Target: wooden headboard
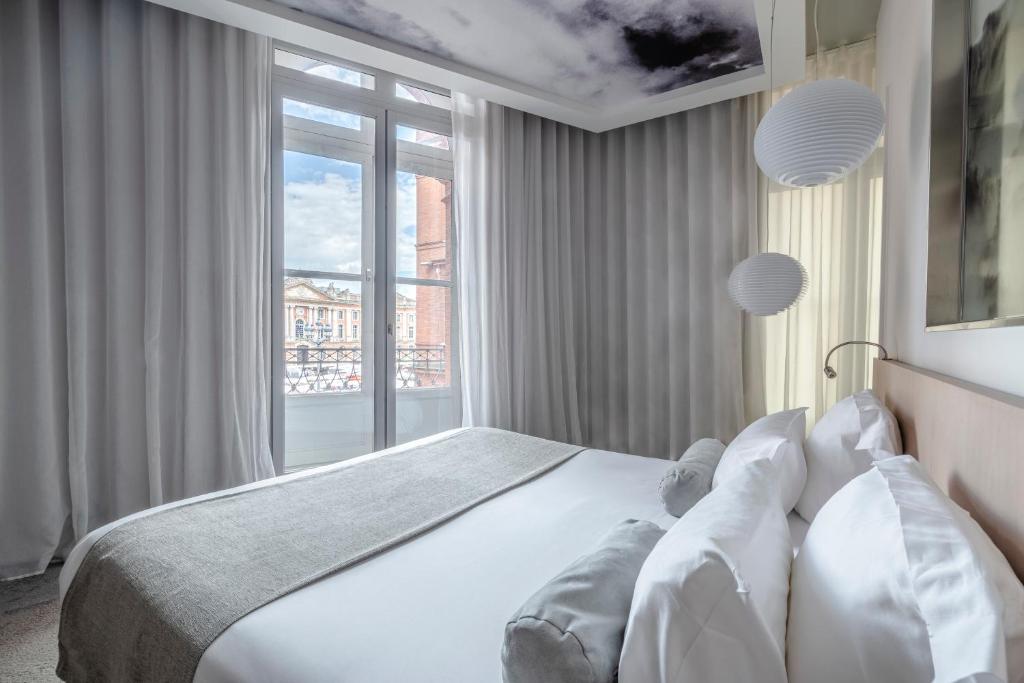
970, 440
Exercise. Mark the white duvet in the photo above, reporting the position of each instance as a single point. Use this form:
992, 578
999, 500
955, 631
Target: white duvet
435, 608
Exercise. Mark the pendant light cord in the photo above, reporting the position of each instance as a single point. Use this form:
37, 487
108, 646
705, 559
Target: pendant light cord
771, 95
817, 42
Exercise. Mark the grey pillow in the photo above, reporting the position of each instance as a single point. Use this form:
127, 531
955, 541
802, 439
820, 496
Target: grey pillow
689, 479
571, 630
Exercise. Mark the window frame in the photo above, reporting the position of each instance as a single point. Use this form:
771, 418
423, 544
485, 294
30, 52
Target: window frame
379, 265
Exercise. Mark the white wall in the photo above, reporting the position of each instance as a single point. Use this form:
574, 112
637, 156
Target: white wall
993, 357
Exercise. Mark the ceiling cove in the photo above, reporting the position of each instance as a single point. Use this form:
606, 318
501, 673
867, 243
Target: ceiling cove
596, 64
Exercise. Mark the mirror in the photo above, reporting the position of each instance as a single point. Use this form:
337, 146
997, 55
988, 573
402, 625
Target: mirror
976, 224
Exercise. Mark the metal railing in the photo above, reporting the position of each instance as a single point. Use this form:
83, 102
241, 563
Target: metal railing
317, 370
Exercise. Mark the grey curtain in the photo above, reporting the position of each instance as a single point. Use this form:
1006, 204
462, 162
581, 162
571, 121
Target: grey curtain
593, 274
134, 243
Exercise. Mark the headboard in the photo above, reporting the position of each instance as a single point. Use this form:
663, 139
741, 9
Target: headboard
970, 440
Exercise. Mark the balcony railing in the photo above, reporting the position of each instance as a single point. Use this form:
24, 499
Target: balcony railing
338, 370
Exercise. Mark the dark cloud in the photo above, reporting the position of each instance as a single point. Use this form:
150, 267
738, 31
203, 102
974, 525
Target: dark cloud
672, 43
682, 50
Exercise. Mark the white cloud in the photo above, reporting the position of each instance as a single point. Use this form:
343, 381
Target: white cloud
323, 224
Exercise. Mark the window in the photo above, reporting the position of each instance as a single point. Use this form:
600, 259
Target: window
412, 93
321, 69
363, 200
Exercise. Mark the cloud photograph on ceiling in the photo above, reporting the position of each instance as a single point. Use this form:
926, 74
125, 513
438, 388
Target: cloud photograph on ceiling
599, 52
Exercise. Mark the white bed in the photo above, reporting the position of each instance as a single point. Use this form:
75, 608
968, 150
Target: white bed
434, 609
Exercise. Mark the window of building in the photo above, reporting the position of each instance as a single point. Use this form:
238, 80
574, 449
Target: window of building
300, 329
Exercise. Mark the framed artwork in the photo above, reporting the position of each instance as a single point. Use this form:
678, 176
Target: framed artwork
976, 222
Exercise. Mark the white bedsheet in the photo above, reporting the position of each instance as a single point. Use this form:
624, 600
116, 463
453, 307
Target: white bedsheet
435, 608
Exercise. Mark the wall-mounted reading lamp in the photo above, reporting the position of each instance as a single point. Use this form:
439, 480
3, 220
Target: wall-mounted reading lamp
830, 371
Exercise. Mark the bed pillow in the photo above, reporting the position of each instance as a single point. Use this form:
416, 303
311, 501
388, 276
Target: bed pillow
843, 444
710, 601
689, 480
777, 438
571, 629
895, 582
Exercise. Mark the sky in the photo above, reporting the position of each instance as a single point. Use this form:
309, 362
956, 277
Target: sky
323, 205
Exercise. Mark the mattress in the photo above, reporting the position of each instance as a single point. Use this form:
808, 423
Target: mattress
434, 608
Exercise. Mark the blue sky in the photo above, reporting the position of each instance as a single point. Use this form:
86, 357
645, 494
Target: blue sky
323, 215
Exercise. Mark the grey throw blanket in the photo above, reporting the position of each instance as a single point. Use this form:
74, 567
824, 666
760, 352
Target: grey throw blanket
153, 593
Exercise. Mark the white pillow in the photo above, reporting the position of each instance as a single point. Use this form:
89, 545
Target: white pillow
842, 445
710, 602
777, 437
894, 582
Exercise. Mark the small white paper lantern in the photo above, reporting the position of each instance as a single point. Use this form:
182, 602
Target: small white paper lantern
766, 284
819, 132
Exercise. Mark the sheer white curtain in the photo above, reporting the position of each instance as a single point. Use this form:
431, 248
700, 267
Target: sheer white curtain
134, 358
835, 232
593, 275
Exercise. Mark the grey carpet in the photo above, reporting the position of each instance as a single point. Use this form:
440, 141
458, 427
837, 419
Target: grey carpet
29, 613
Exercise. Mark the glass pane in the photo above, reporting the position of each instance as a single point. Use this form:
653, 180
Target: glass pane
326, 206
314, 112
424, 137
315, 67
328, 329
403, 91
423, 359
424, 210
328, 372
423, 336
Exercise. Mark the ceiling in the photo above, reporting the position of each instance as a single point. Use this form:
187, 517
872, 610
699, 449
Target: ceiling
596, 64
841, 22
595, 52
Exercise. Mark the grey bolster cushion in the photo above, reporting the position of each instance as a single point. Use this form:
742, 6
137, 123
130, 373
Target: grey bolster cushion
689, 479
571, 630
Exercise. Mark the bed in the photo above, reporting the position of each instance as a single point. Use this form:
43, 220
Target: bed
433, 608
439, 602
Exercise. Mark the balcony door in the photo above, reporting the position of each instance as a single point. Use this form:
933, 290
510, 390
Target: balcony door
364, 248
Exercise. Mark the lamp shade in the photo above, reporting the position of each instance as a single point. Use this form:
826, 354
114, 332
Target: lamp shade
766, 284
819, 132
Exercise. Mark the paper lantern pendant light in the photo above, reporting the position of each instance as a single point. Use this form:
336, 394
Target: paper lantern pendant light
819, 132
766, 284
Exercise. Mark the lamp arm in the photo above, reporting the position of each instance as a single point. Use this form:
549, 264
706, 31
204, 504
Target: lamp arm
830, 371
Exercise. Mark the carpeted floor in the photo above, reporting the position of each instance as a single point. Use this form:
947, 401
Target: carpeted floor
29, 611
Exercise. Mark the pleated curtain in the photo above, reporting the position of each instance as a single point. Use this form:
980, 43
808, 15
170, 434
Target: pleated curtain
593, 272
134, 243
835, 231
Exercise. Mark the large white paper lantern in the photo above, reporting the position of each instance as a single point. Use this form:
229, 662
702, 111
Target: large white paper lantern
819, 132
766, 284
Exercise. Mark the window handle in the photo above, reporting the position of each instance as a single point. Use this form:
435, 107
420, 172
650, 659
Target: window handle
369, 275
